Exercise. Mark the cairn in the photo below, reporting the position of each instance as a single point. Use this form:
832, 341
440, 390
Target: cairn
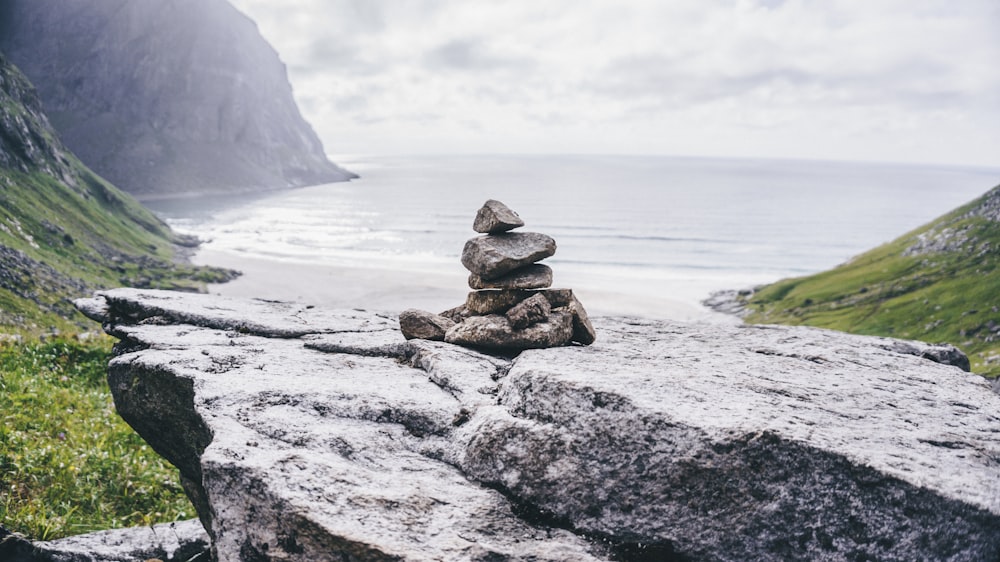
512, 306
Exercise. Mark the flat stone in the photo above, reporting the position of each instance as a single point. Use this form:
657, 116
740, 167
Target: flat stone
531, 310
177, 541
495, 217
496, 332
534, 276
420, 324
495, 255
499, 301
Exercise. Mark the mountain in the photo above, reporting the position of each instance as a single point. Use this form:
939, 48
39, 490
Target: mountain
939, 283
65, 231
165, 97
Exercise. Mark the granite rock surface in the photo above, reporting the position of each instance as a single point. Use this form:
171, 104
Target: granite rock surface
304, 434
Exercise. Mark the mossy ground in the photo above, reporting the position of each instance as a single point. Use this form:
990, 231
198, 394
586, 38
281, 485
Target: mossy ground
948, 296
68, 463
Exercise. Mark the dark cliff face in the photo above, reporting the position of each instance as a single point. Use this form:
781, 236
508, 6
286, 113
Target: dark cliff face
165, 97
65, 231
26, 140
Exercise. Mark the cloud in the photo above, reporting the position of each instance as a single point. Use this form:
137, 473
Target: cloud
754, 77
472, 55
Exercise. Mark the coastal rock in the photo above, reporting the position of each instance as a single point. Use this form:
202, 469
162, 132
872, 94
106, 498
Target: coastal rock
494, 217
500, 301
496, 332
534, 276
423, 325
495, 255
662, 441
529, 311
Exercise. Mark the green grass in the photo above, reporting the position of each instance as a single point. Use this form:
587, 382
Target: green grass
68, 463
946, 296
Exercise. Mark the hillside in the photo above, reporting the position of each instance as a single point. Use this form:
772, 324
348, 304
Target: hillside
939, 283
65, 231
166, 97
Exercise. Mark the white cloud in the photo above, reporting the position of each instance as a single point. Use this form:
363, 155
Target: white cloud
907, 80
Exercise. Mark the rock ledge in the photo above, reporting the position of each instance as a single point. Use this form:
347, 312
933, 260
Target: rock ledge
304, 434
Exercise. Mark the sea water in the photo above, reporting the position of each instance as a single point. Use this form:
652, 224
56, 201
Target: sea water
640, 225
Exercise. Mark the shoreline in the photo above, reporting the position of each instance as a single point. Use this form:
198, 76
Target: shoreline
392, 289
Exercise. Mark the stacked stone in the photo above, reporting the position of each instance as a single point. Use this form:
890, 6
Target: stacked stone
512, 305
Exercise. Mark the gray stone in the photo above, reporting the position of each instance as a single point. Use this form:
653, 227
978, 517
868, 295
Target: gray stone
531, 310
583, 330
496, 255
181, 541
423, 325
494, 217
499, 301
458, 313
943, 353
667, 440
534, 276
496, 332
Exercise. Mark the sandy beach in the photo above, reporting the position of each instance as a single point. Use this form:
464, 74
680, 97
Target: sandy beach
392, 289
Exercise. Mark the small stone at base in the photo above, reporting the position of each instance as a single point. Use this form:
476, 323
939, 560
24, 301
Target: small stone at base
420, 324
530, 311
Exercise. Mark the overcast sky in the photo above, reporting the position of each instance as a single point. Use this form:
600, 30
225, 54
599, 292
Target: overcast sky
884, 80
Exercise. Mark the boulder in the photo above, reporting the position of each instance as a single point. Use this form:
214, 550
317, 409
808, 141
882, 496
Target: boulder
662, 441
497, 332
495, 255
494, 217
531, 310
423, 325
534, 276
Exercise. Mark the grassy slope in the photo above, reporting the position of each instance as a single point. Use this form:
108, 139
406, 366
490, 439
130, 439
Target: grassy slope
950, 293
68, 463
64, 231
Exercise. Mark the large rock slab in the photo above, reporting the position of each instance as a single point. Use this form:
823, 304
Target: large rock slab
495, 255
661, 441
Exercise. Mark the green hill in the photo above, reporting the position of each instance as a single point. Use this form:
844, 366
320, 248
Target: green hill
64, 231
939, 283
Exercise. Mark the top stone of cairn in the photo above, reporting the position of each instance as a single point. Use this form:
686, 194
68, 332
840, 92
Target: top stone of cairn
494, 217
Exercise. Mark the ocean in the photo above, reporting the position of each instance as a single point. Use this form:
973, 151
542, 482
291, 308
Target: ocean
639, 226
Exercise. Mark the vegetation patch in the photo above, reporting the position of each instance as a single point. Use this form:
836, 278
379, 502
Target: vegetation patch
68, 463
939, 283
